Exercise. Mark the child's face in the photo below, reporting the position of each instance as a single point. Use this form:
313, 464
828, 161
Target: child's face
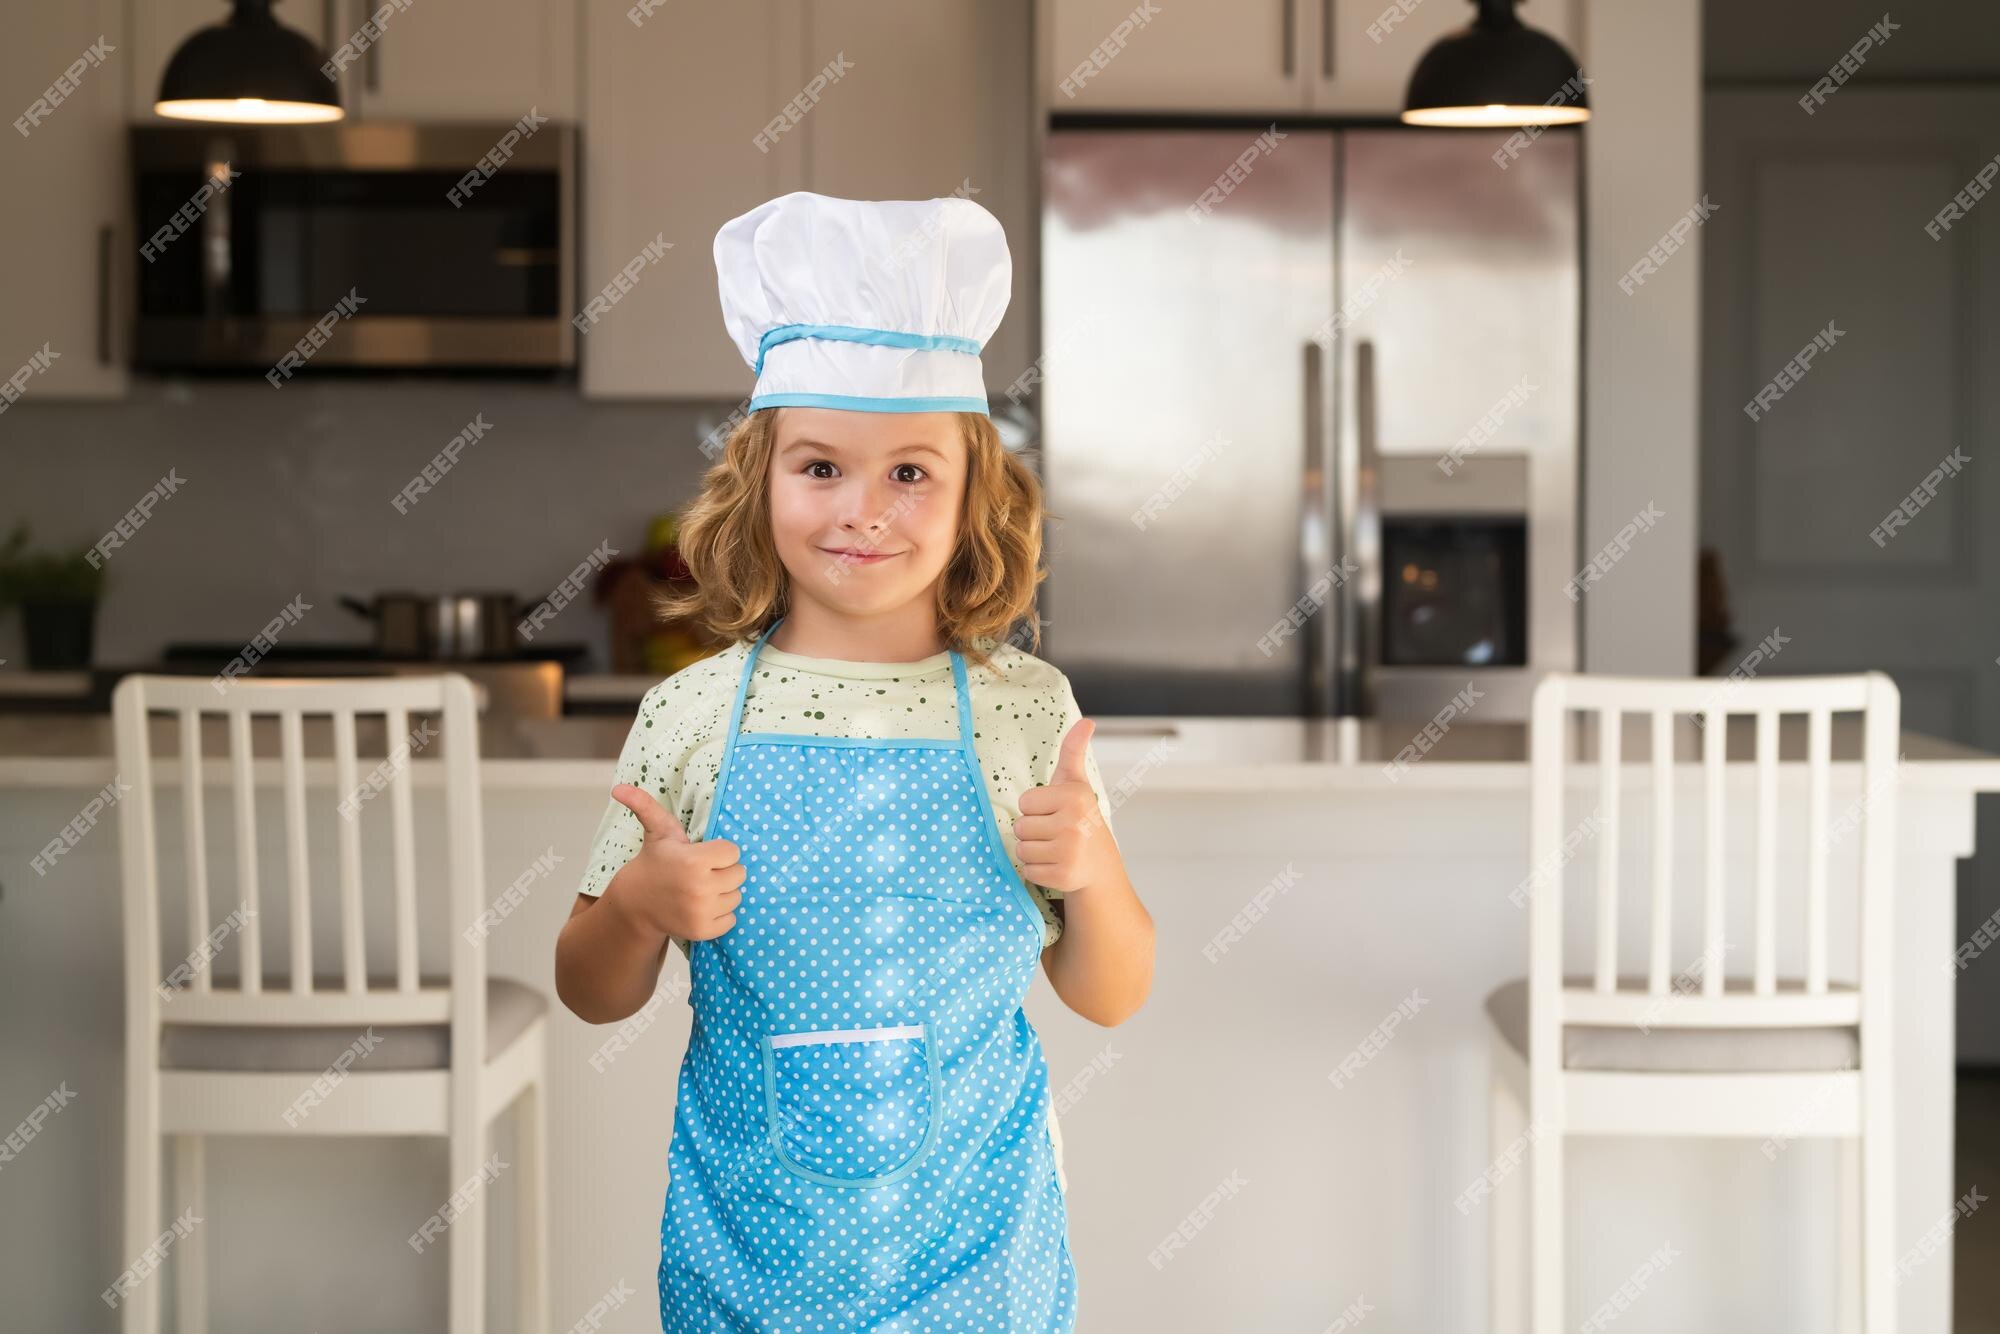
885, 484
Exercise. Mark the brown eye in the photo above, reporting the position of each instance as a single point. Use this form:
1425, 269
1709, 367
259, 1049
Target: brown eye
818, 463
913, 468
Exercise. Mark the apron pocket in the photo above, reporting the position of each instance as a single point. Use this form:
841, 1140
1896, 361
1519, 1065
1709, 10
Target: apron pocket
852, 1106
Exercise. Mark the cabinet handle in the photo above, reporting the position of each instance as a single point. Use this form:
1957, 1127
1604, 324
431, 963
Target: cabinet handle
332, 24
342, 85
104, 237
1286, 27
1326, 38
371, 59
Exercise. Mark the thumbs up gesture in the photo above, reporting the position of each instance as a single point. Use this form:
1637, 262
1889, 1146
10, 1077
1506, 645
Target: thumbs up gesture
678, 887
1063, 842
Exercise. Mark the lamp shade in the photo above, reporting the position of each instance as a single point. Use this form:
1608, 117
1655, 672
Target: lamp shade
1496, 71
248, 68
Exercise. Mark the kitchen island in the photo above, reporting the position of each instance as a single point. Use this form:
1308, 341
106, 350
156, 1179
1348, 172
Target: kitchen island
1261, 1147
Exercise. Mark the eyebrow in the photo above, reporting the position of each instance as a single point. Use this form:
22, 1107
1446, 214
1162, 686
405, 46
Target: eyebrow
832, 449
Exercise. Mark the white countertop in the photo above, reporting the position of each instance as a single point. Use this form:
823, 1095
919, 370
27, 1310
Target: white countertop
1185, 755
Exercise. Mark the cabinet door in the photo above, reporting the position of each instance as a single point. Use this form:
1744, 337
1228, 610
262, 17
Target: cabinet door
674, 107
65, 233
427, 60
935, 102
464, 59
1183, 55
1359, 53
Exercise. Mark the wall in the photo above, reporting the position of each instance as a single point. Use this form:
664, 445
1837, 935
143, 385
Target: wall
1642, 172
287, 492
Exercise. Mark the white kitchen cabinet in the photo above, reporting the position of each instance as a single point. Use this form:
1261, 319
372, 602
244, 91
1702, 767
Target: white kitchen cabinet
430, 60
1340, 56
65, 232
671, 109
936, 102
699, 113
1180, 55
463, 59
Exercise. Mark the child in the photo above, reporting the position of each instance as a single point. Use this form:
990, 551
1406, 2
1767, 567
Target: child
819, 815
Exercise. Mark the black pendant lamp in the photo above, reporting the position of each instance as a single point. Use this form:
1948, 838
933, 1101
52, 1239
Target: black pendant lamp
250, 68
1496, 71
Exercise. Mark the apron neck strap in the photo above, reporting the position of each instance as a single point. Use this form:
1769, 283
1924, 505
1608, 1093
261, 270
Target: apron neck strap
743, 682
964, 706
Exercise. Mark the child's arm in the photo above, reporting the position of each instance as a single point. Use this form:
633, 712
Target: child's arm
1102, 964
608, 959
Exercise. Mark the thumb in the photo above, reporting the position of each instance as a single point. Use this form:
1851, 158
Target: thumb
1075, 747
660, 823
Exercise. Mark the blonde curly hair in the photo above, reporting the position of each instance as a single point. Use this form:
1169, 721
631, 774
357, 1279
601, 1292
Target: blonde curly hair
741, 586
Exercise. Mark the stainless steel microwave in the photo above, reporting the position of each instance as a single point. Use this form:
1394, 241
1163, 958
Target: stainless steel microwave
368, 244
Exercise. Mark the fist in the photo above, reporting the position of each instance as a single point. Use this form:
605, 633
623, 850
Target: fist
678, 887
1063, 842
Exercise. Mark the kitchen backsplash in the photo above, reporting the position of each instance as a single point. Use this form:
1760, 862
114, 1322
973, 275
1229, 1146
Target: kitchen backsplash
282, 494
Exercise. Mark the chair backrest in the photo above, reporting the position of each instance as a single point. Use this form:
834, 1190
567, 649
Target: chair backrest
1667, 998
338, 781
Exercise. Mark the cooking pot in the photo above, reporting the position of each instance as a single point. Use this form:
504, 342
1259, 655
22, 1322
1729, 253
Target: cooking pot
444, 625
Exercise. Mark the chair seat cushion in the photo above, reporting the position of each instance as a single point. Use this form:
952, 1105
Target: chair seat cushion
510, 1007
1682, 1050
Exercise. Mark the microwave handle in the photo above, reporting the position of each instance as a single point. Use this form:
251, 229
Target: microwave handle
217, 249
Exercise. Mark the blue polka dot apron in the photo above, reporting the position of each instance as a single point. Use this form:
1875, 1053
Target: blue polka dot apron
861, 1135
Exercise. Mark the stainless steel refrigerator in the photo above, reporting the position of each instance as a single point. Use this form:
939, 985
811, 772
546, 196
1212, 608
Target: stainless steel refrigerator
1309, 414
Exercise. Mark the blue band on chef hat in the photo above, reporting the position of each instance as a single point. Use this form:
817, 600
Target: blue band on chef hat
785, 333
863, 403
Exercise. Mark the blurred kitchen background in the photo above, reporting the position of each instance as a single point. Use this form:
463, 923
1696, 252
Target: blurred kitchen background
537, 374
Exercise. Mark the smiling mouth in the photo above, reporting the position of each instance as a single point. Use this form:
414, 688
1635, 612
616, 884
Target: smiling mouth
857, 556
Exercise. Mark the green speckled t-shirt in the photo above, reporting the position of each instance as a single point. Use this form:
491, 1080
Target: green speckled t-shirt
1022, 708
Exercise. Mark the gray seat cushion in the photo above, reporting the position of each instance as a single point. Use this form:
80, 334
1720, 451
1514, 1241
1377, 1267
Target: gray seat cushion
510, 1007
1684, 1050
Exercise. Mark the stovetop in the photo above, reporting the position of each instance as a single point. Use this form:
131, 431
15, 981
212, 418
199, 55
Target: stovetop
194, 654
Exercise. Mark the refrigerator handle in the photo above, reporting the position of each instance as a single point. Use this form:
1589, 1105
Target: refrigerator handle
1316, 542
1359, 590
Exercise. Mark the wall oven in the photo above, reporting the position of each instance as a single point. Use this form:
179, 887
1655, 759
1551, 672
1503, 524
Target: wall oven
379, 244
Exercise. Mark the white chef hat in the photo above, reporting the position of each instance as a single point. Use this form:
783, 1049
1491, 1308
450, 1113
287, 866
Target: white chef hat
871, 306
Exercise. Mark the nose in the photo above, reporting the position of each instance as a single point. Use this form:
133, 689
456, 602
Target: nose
868, 507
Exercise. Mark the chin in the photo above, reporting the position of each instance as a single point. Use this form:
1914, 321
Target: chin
862, 602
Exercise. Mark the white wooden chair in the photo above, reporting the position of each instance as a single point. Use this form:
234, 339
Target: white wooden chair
1757, 1056
453, 1051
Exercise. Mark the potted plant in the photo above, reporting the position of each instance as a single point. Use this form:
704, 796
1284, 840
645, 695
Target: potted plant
57, 593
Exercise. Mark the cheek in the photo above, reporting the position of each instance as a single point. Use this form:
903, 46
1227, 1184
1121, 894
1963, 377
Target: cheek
933, 519
793, 513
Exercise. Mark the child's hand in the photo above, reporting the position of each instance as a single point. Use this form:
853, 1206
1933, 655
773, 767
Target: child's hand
1064, 845
678, 887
